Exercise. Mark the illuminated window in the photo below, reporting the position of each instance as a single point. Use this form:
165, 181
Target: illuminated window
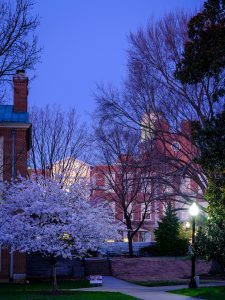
125, 239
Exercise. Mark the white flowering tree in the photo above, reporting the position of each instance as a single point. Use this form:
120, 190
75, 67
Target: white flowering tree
39, 216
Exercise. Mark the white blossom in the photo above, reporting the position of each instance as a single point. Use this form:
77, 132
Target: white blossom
38, 215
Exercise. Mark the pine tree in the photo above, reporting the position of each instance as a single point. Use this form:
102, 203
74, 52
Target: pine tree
167, 235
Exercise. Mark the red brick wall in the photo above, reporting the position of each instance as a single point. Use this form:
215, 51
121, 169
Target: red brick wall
20, 157
20, 163
4, 273
20, 92
19, 265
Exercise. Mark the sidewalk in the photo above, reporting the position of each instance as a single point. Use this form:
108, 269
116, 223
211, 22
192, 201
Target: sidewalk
111, 284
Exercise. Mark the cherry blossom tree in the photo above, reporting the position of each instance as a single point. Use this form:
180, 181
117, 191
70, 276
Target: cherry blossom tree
39, 216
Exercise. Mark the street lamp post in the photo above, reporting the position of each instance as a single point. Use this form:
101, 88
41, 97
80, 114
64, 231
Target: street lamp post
194, 210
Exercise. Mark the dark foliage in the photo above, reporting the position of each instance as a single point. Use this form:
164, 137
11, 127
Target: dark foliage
210, 240
211, 141
204, 54
169, 242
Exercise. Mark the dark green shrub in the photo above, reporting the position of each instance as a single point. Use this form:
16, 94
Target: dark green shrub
168, 237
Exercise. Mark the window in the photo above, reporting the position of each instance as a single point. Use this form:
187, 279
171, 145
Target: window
186, 184
124, 234
148, 214
146, 184
98, 180
110, 182
144, 236
175, 146
128, 182
112, 207
129, 209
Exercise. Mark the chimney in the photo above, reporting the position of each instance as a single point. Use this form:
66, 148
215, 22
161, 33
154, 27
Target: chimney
20, 82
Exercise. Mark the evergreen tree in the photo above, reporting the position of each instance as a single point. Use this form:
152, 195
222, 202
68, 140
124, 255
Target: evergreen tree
204, 61
210, 240
167, 235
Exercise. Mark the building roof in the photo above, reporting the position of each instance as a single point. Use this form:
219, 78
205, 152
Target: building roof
8, 115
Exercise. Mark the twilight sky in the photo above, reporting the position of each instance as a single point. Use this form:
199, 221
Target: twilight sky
84, 42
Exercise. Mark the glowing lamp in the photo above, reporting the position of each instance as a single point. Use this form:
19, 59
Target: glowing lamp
194, 210
187, 225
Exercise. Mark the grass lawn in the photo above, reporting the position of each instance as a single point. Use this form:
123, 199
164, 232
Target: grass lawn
161, 282
209, 293
44, 285
41, 291
64, 296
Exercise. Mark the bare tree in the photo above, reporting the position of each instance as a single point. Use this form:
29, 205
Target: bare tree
152, 99
58, 140
18, 42
127, 185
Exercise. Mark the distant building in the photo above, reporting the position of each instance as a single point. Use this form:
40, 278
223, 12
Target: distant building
107, 179
15, 140
72, 170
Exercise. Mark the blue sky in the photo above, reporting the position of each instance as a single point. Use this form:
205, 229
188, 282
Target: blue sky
84, 42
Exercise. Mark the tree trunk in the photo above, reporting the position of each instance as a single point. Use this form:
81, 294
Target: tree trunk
130, 243
54, 279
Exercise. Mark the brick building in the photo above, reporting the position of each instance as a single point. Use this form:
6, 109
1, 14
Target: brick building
15, 139
109, 182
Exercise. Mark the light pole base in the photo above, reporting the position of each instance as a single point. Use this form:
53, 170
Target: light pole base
193, 284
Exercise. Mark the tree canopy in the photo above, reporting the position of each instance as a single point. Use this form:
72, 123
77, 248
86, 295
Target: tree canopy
204, 54
18, 41
39, 216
